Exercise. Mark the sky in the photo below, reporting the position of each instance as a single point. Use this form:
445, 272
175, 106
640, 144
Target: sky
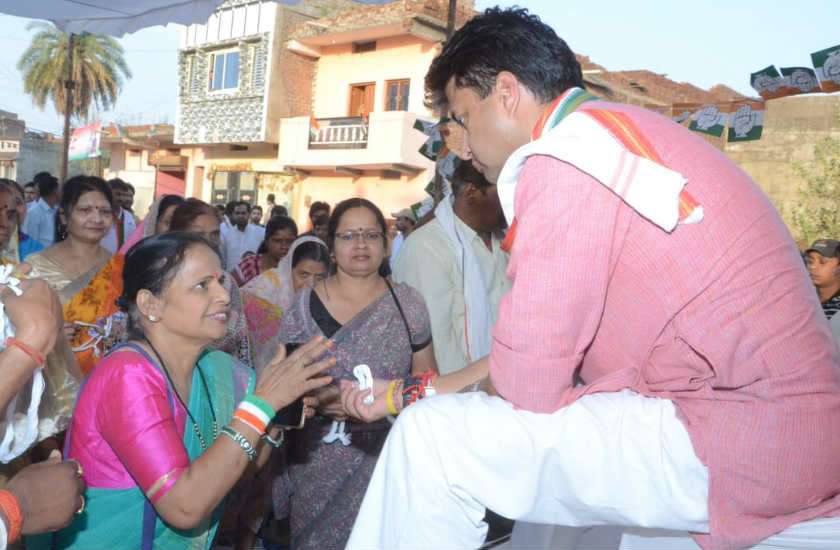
705, 43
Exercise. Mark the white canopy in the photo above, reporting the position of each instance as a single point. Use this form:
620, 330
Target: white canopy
113, 17
119, 17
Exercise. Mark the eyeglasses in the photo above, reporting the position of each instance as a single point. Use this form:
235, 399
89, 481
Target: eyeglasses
369, 237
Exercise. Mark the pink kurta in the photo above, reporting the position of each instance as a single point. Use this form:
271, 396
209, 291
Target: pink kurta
719, 317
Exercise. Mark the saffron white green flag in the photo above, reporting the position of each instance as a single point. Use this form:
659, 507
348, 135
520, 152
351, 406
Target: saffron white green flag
709, 119
746, 122
800, 80
827, 65
768, 83
84, 142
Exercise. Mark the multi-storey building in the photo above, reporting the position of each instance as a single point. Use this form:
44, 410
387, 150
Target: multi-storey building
367, 93
11, 134
236, 81
253, 77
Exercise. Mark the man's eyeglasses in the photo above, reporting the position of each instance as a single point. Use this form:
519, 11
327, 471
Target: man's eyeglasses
369, 237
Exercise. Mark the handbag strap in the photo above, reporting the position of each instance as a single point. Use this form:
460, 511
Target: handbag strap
402, 314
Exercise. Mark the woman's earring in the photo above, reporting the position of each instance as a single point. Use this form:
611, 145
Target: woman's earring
153, 319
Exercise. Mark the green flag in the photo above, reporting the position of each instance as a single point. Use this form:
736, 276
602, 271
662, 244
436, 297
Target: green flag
827, 65
768, 83
800, 80
746, 122
708, 120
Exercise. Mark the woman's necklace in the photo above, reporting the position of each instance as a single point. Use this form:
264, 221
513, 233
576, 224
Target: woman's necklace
181, 401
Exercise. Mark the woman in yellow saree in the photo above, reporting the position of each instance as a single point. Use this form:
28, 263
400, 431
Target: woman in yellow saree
87, 283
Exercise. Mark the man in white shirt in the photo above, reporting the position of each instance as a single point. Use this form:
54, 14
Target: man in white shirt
456, 263
241, 237
406, 220
124, 222
40, 215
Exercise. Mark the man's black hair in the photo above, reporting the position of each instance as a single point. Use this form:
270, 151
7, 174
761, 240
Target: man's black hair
46, 182
465, 173
512, 40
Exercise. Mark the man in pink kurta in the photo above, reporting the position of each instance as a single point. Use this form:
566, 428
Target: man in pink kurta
717, 318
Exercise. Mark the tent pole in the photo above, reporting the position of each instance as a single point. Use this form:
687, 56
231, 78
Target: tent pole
450, 30
69, 85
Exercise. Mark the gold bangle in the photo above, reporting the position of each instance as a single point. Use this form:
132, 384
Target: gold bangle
389, 398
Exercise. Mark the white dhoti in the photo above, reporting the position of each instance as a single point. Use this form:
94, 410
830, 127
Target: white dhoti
609, 459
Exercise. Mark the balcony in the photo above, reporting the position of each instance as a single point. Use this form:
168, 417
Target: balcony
338, 133
352, 145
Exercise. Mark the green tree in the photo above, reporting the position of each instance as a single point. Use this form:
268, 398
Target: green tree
816, 212
98, 71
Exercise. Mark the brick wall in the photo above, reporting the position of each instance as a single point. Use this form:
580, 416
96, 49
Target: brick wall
296, 72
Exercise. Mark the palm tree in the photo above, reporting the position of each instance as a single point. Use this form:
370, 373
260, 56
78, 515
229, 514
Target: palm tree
98, 70
95, 67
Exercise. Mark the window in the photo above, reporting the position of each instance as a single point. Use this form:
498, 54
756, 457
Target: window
224, 70
362, 47
396, 95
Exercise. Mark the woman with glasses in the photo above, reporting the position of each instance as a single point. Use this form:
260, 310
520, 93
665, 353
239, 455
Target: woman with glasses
280, 233
371, 322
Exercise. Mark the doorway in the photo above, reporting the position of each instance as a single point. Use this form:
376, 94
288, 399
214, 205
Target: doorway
361, 99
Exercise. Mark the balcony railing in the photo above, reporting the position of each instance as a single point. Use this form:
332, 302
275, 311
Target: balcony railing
338, 133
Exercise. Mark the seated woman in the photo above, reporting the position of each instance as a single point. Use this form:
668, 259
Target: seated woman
266, 297
195, 216
163, 428
280, 233
370, 322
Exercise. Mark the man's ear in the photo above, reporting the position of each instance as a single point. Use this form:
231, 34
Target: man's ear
509, 92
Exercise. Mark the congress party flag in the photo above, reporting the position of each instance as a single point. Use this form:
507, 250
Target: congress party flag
800, 80
768, 83
84, 142
681, 112
746, 122
827, 65
709, 119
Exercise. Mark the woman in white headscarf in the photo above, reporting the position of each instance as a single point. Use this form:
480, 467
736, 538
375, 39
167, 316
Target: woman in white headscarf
267, 296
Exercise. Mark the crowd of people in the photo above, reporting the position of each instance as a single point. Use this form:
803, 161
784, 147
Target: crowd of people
610, 357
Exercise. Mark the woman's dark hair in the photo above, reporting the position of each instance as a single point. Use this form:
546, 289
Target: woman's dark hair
278, 224
187, 212
15, 185
499, 40
273, 226
342, 207
151, 264
311, 250
166, 202
72, 191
